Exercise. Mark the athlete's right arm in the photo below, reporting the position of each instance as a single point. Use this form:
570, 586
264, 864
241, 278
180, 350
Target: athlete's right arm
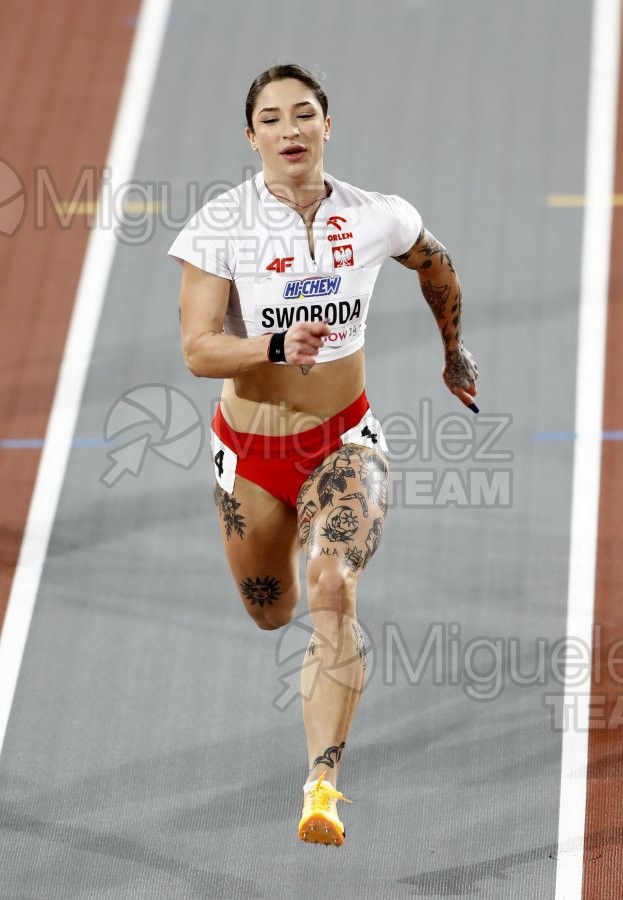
209, 353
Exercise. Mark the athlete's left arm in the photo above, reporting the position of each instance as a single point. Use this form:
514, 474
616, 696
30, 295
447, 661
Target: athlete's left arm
442, 291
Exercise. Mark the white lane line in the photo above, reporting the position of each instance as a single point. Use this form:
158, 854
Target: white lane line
134, 102
600, 160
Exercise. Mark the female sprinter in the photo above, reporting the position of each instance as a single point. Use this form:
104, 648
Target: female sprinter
277, 277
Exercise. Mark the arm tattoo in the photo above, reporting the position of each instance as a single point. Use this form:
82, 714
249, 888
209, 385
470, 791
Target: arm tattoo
436, 297
448, 320
433, 248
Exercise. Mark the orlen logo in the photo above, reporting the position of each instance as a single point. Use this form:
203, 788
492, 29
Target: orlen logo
335, 222
312, 287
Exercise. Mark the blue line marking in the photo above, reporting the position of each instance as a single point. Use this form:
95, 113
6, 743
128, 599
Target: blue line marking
91, 442
22, 444
571, 436
554, 436
38, 443
82, 442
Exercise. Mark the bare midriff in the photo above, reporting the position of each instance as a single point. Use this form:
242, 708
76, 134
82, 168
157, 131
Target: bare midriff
276, 399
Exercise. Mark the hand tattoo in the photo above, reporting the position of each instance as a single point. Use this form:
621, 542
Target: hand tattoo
460, 369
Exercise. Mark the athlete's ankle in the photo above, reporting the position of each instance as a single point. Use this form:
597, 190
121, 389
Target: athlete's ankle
318, 772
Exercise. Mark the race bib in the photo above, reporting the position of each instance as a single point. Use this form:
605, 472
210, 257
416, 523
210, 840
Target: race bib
341, 300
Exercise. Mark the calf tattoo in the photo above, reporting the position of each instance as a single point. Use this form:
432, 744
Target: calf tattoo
227, 507
361, 643
330, 757
260, 591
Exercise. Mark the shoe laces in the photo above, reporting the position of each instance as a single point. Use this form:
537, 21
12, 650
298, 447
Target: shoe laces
325, 795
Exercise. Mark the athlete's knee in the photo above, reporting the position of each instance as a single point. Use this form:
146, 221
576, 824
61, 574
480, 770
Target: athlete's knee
270, 618
330, 587
265, 625
276, 618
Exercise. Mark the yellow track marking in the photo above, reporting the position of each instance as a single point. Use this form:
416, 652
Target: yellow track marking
574, 200
89, 207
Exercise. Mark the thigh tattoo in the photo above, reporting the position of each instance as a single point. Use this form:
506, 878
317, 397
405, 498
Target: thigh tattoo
228, 507
341, 521
260, 590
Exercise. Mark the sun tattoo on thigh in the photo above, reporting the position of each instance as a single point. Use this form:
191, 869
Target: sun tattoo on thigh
228, 507
260, 590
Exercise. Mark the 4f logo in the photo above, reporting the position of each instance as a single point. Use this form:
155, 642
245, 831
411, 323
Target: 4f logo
335, 222
365, 432
280, 264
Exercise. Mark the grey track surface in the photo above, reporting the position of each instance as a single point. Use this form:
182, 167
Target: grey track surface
144, 757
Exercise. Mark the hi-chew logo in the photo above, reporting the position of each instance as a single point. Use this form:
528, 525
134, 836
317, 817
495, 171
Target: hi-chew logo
312, 287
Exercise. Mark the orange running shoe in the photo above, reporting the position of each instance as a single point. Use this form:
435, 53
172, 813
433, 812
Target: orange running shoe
320, 823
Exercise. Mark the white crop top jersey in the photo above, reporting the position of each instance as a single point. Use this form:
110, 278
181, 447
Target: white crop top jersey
250, 237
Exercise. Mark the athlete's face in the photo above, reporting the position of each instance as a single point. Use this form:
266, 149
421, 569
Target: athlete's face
290, 131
